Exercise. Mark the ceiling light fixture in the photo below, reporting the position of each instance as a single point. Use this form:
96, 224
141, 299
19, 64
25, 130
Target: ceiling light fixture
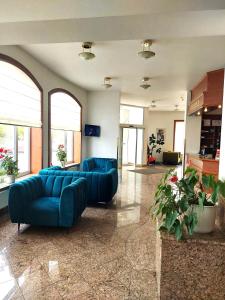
87, 54
176, 107
145, 84
146, 52
219, 106
153, 105
205, 109
198, 113
107, 82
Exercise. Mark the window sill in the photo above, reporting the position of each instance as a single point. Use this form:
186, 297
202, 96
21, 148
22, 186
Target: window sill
71, 165
4, 186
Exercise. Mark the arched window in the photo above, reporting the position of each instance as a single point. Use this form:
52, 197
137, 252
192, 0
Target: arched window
20, 115
65, 125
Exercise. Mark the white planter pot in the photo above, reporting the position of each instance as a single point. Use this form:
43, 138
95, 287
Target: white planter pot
10, 179
63, 163
206, 218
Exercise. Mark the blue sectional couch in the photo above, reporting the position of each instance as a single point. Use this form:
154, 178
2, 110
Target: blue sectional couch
48, 200
101, 175
101, 187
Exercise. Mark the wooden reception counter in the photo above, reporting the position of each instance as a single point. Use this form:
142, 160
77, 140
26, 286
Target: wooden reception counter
203, 165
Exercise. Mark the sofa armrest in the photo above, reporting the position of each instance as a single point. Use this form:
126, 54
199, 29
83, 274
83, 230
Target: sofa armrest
20, 194
114, 175
111, 164
88, 164
73, 201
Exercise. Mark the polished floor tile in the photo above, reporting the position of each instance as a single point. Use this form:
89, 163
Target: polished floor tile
110, 254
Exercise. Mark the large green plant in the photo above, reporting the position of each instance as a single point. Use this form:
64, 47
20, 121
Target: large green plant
174, 200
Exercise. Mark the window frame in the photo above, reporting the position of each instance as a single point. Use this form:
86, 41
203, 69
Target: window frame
50, 93
133, 124
17, 64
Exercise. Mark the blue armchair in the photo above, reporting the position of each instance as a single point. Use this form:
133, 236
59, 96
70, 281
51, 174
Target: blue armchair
96, 164
48, 200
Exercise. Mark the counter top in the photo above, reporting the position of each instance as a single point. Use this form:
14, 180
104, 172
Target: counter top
208, 166
197, 156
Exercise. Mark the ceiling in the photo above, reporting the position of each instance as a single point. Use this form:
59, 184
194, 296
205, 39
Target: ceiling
189, 40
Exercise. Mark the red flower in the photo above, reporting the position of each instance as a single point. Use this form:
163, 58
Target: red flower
1, 150
1, 156
5, 151
174, 178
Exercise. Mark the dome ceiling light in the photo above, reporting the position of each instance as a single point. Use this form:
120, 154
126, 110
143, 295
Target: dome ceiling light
145, 83
107, 82
146, 52
153, 105
176, 107
87, 54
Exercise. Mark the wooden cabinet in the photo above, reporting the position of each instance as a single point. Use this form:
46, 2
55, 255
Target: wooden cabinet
210, 133
208, 92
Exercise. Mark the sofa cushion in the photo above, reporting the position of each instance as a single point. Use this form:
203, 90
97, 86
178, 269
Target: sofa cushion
44, 211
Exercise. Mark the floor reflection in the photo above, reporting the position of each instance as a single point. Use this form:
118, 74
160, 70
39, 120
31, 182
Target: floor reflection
130, 215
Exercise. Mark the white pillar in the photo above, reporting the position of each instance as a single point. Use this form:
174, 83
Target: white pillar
222, 142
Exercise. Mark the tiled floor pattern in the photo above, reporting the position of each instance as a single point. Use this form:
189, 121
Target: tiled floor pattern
110, 254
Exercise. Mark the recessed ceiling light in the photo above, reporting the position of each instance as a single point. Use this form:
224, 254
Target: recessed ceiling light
219, 106
146, 52
87, 54
205, 109
107, 82
198, 113
145, 84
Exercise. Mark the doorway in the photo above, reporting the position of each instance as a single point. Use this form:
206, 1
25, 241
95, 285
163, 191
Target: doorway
132, 146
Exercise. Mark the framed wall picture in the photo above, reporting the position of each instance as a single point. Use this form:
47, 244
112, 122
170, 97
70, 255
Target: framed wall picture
160, 134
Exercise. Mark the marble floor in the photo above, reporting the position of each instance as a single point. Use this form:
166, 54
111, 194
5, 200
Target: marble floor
110, 254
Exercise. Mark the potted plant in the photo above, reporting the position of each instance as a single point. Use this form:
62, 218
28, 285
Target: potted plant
184, 205
9, 165
61, 155
209, 192
154, 145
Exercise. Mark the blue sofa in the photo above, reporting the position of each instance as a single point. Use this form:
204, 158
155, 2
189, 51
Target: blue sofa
48, 200
96, 164
102, 186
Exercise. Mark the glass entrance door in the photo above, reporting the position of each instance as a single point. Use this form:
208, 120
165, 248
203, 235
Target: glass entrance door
132, 151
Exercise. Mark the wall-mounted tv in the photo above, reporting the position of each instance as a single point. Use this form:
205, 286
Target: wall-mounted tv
91, 130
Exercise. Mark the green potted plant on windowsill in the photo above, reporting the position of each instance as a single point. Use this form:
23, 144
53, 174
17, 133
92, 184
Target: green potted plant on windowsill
61, 155
9, 165
184, 205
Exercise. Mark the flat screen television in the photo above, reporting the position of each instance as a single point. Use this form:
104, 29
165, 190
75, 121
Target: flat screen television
91, 130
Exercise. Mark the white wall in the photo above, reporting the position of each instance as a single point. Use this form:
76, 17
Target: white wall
48, 81
192, 130
104, 110
160, 119
193, 134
